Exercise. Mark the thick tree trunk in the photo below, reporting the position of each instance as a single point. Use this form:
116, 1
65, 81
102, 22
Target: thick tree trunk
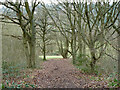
26, 49
92, 64
32, 55
32, 43
29, 47
93, 59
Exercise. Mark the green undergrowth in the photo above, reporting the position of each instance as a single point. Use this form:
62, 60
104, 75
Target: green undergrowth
13, 84
82, 63
13, 72
12, 69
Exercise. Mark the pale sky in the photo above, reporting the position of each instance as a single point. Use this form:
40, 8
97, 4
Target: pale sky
55, 1
45, 1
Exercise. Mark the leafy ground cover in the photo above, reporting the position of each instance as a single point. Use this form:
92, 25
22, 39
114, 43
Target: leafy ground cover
57, 73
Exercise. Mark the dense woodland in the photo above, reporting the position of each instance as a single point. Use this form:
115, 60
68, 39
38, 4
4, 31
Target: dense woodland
60, 45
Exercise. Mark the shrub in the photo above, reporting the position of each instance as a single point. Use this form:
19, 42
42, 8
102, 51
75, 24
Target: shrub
82, 62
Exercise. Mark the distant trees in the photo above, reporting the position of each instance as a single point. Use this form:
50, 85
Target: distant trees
63, 36
25, 19
71, 16
63, 45
58, 19
44, 30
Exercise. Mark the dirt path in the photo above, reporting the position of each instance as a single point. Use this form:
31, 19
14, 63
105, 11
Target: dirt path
60, 73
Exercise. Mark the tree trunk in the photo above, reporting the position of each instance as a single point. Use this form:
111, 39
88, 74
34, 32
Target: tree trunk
79, 35
65, 50
74, 48
93, 60
65, 53
44, 47
44, 52
32, 44
92, 64
80, 45
32, 55
29, 47
84, 49
26, 48
119, 45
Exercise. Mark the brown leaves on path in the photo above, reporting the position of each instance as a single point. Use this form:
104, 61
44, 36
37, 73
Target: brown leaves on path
60, 73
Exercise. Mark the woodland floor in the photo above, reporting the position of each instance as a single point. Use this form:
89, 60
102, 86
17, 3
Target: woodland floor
60, 73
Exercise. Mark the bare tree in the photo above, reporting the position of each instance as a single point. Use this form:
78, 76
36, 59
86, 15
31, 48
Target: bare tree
94, 22
58, 22
44, 30
25, 19
66, 9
